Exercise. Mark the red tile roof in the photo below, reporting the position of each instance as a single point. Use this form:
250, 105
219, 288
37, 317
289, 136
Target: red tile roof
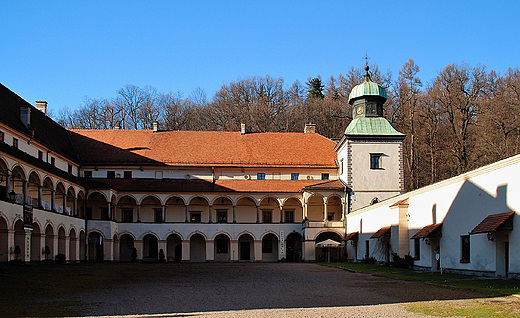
203, 148
495, 222
197, 185
352, 236
329, 185
432, 230
398, 202
381, 232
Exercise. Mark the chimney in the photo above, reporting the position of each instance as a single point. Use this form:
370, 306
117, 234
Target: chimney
41, 106
155, 126
310, 129
25, 116
242, 129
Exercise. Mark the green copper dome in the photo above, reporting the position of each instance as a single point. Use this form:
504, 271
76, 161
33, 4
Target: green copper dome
367, 88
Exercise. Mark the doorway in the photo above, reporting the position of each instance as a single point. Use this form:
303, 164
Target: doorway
245, 251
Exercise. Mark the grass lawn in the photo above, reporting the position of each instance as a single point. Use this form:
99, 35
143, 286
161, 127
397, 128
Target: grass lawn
508, 306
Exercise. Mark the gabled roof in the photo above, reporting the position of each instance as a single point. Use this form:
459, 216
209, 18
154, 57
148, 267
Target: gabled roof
382, 232
204, 148
432, 230
352, 236
495, 222
46, 131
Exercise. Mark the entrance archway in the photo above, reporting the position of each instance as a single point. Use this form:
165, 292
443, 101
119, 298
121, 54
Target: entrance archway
4, 249
95, 247
36, 251
126, 246
222, 248
197, 248
270, 248
293, 249
173, 248
321, 252
246, 250
150, 248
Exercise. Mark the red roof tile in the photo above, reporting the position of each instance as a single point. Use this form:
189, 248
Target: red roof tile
398, 202
432, 230
495, 222
382, 232
329, 185
199, 148
352, 236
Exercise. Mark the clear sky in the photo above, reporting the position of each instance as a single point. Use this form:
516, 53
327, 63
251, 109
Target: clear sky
62, 51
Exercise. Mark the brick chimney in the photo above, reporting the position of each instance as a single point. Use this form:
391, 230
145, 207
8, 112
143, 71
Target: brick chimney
41, 106
242, 129
310, 129
155, 126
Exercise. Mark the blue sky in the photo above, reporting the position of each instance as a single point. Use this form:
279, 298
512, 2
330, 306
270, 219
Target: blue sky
62, 51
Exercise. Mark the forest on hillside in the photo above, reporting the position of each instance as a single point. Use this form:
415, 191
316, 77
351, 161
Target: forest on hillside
464, 118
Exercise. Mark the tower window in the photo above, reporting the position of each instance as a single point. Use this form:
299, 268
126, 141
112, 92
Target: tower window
375, 161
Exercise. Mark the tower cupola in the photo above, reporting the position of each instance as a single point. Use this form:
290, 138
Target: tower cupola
367, 98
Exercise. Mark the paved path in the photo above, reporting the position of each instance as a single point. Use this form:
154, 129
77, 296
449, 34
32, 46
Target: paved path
261, 290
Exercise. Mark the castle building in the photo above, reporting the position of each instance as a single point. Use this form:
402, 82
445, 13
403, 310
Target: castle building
190, 196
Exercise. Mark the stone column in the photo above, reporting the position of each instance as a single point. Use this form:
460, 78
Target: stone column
55, 246
108, 249
40, 197
234, 213
210, 220
258, 250
161, 245
257, 214
233, 244
10, 244
309, 251
109, 210
26, 257
24, 190
138, 244
75, 207
325, 213
67, 247
185, 249
65, 202
115, 249
210, 250
281, 215
138, 214
7, 183
163, 218
53, 199
186, 220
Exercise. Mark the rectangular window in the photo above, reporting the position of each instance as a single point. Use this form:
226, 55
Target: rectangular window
222, 246
69, 168
295, 176
87, 174
260, 176
157, 215
158, 174
104, 213
375, 161
127, 174
222, 216
53, 161
324, 176
267, 245
15, 143
341, 165
195, 217
330, 216
417, 249
289, 216
465, 253
111, 174
128, 215
267, 216
40, 154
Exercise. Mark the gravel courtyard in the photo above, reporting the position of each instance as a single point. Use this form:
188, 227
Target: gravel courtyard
262, 290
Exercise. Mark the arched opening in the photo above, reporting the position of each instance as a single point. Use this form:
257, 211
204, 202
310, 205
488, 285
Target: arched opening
17, 180
269, 211
49, 243
127, 209
151, 210
270, 248
81, 205
315, 209
95, 247
47, 190
4, 249
175, 210
126, 246
115, 247
59, 204
32, 189
73, 241
246, 250
19, 239
174, 248
3, 180
223, 211
82, 246
150, 248
97, 207
323, 253
71, 196
222, 248
334, 209
197, 248
293, 211
36, 251
61, 241
198, 211
293, 250
246, 211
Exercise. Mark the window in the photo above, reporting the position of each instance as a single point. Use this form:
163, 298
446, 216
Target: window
157, 215
222, 216
417, 249
222, 246
464, 242
341, 166
324, 176
367, 248
267, 216
295, 176
158, 174
195, 217
69, 168
128, 215
40, 155
2, 136
375, 161
127, 174
267, 245
260, 176
104, 213
111, 174
87, 174
289, 216
53, 161
330, 216
15, 142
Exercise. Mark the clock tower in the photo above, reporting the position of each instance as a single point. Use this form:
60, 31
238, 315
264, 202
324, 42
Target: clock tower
370, 153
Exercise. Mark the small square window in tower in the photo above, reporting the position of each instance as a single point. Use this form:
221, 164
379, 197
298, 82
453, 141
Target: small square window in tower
375, 161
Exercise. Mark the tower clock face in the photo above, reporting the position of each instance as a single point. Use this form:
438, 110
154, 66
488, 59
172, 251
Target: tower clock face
360, 110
